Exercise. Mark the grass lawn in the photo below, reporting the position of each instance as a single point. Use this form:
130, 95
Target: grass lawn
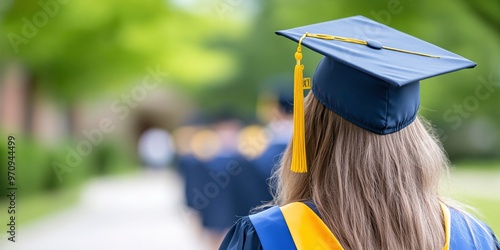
489, 211
35, 207
477, 184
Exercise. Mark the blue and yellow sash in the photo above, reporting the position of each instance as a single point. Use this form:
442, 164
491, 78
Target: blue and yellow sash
296, 226
293, 226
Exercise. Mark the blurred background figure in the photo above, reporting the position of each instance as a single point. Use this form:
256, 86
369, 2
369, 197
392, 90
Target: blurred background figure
200, 189
187, 163
156, 148
220, 212
252, 187
276, 109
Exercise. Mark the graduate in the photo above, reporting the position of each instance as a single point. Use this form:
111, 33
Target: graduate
279, 131
188, 165
362, 169
234, 172
217, 208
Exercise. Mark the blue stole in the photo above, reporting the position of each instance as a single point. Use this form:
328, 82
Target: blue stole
272, 229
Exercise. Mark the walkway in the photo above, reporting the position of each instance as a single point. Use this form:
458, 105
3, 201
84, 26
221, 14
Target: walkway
143, 211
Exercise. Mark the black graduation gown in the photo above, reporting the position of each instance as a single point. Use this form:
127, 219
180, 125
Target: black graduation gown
219, 213
249, 191
265, 165
193, 174
242, 236
267, 162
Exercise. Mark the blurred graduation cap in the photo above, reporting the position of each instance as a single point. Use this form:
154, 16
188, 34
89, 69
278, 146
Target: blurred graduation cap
369, 76
279, 87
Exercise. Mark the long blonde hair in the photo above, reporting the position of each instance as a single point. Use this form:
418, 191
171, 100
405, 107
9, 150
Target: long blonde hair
372, 191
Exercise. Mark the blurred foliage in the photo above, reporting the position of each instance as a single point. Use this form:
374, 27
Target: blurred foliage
86, 47
36, 174
486, 10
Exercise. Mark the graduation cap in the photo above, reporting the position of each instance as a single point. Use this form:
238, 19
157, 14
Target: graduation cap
278, 88
369, 76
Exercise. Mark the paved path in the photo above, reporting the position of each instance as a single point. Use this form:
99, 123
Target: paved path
143, 211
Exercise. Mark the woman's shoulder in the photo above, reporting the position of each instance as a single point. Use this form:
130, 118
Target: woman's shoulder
271, 225
242, 235
466, 227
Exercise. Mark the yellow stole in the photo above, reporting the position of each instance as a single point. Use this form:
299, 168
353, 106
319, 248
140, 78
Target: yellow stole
307, 229
310, 232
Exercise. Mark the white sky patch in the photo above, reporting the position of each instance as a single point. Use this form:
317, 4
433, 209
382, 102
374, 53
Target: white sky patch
194, 6
224, 9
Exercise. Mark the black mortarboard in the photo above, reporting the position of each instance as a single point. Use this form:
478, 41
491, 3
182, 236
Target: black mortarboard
369, 76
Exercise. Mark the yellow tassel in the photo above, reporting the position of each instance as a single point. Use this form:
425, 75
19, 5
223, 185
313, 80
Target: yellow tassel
299, 161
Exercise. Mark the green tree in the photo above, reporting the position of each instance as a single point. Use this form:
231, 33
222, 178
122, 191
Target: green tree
75, 49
